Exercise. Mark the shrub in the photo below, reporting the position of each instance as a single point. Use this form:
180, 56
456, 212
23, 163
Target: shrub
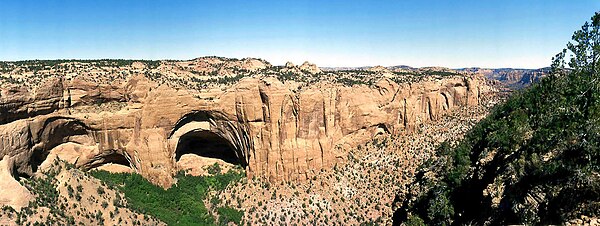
214, 169
100, 190
227, 214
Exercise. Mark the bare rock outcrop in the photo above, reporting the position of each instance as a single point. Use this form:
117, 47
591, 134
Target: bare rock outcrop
16, 102
13, 193
290, 67
262, 124
310, 68
219, 66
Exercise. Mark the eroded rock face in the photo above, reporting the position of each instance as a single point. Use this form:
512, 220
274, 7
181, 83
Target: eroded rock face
16, 102
310, 68
275, 131
13, 193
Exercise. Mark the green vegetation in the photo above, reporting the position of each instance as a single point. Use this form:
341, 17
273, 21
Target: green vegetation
45, 189
283, 75
414, 221
440, 73
534, 160
182, 204
350, 82
228, 214
11, 80
36, 65
286, 76
228, 80
5, 67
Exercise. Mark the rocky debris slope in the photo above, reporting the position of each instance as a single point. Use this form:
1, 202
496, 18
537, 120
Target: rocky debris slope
358, 191
63, 195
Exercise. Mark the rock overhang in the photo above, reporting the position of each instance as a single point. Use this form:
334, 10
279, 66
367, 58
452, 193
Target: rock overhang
279, 132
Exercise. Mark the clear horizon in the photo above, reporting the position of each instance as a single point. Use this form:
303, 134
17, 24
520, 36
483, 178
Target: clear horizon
503, 34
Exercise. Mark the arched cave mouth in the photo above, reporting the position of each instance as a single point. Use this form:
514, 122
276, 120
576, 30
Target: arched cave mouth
207, 145
113, 158
113, 162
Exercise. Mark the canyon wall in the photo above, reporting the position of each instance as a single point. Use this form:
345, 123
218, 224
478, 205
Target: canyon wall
283, 132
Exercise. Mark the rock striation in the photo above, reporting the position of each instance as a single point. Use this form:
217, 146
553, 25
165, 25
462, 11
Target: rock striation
273, 129
16, 102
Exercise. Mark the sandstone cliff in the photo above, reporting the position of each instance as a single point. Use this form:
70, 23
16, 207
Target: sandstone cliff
277, 131
16, 102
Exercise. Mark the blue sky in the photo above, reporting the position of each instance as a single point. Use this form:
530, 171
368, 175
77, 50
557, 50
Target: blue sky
512, 33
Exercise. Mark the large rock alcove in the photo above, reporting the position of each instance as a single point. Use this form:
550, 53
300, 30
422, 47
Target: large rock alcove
203, 138
115, 162
73, 141
272, 129
208, 145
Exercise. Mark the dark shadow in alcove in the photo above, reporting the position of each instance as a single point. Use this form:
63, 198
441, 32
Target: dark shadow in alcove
114, 158
207, 144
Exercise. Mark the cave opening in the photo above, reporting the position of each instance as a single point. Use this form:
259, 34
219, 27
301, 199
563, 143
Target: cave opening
113, 162
112, 158
60, 137
207, 145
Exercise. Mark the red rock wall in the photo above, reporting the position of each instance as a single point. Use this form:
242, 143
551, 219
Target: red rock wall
283, 133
